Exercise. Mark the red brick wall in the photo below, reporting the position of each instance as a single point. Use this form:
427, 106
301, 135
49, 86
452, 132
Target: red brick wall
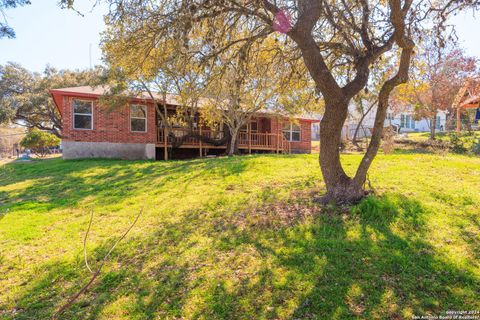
108, 126
305, 143
114, 126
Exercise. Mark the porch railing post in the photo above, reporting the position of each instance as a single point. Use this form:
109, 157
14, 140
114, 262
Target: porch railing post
200, 132
249, 138
278, 135
165, 142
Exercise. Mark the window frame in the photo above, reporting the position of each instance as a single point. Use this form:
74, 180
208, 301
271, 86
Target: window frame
82, 114
244, 128
407, 121
146, 117
412, 122
291, 131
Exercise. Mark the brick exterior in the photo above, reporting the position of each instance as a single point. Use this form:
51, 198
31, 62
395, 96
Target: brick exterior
114, 125
108, 125
305, 143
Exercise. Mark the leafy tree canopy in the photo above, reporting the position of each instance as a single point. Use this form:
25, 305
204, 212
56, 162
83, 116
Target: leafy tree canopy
437, 74
337, 42
26, 101
39, 142
5, 29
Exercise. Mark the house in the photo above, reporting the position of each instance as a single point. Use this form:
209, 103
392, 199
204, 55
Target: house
135, 131
406, 123
468, 98
403, 121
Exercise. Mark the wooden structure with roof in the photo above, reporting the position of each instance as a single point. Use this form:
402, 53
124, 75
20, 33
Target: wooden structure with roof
467, 98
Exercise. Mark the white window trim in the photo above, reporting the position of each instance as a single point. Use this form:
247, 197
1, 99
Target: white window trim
146, 117
290, 131
407, 124
82, 114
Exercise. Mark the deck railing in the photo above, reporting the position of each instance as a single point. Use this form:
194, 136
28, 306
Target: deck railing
253, 140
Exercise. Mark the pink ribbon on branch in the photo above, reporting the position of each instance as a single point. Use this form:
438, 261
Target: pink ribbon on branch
282, 21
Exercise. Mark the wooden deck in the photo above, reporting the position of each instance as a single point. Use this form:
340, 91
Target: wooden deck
246, 141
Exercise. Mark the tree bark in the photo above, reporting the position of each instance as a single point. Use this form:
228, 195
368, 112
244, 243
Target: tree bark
433, 126
340, 187
232, 147
400, 77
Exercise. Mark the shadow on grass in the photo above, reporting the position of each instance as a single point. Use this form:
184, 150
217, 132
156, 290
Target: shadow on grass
413, 151
61, 183
373, 262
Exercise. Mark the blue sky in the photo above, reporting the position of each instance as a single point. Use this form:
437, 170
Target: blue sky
47, 34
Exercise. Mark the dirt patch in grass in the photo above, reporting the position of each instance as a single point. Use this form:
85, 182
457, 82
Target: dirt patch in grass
275, 216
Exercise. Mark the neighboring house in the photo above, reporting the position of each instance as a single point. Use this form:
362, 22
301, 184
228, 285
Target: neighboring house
468, 97
135, 131
404, 121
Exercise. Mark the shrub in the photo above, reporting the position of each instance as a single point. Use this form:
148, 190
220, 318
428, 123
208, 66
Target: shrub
39, 142
457, 143
476, 147
436, 146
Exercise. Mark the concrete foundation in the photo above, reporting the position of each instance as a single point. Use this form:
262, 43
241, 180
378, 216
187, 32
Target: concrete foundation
129, 151
300, 151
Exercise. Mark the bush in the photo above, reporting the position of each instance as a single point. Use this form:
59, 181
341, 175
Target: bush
39, 142
436, 146
457, 143
476, 147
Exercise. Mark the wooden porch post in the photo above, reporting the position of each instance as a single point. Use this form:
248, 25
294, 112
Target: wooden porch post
200, 132
165, 142
249, 134
278, 135
165, 133
458, 119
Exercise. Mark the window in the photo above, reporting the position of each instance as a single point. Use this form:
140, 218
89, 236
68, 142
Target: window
438, 123
138, 118
253, 127
390, 116
412, 122
406, 121
82, 114
291, 131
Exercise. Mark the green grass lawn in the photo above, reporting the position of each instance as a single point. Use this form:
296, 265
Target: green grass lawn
423, 136
239, 238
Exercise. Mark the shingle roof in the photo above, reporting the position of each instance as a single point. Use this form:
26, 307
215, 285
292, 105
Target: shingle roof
469, 94
172, 99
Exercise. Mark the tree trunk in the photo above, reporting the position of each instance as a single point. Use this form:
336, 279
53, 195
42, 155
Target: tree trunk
340, 187
433, 126
384, 94
357, 129
232, 147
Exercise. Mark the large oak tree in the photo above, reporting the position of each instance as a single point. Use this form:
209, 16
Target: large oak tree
26, 101
338, 42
